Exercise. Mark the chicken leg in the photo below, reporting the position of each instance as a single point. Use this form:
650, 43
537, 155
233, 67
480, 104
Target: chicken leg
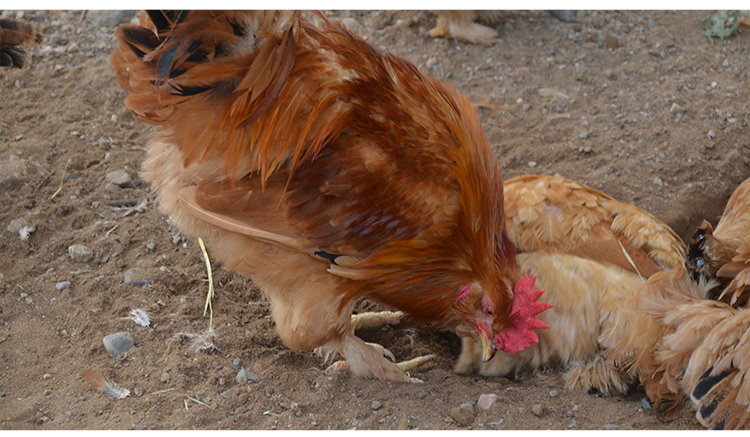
375, 320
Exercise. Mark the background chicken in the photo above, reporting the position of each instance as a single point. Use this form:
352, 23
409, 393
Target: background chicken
325, 171
473, 26
13, 34
596, 258
705, 352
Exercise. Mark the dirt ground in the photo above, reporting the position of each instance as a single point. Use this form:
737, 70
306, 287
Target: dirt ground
640, 105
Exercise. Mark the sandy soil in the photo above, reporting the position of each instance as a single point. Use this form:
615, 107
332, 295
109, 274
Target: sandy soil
640, 105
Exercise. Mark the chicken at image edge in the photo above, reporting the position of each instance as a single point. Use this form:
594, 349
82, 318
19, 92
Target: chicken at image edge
326, 171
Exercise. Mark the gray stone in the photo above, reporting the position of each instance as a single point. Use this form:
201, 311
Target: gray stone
80, 253
245, 375
63, 285
119, 178
117, 343
376, 405
109, 18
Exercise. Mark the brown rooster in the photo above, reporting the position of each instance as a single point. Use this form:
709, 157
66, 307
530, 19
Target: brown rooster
13, 34
596, 259
326, 171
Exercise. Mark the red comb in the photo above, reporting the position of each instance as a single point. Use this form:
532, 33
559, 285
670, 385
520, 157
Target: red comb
520, 335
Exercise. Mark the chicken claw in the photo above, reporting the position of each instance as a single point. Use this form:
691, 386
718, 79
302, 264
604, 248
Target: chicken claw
415, 362
375, 320
383, 350
440, 30
343, 366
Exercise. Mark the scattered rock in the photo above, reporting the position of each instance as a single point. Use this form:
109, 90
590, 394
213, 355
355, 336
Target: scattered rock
236, 362
222, 381
651, 22
117, 343
677, 110
249, 335
711, 134
141, 277
659, 182
119, 178
611, 42
138, 391
376, 405
62, 285
109, 18
463, 415
553, 393
537, 409
245, 375
58, 40
486, 400
584, 135
164, 377
532, 164
150, 246
80, 253
725, 64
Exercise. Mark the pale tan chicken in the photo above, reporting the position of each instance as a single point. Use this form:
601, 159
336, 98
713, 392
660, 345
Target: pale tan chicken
574, 239
462, 26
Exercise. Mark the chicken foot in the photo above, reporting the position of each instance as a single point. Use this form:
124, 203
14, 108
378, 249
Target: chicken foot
375, 320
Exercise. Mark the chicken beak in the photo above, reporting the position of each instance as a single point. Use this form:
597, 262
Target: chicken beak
488, 349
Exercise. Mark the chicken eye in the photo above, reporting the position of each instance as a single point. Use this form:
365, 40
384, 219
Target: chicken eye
489, 311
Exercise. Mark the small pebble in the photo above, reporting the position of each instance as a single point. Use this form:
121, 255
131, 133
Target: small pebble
236, 362
711, 134
659, 182
570, 415
553, 393
80, 253
573, 424
376, 405
532, 164
63, 285
486, 401
117, 343
245, 375
584, 135
725, 64
119, 178
164, 377
651, 22
537, 409
222, 381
